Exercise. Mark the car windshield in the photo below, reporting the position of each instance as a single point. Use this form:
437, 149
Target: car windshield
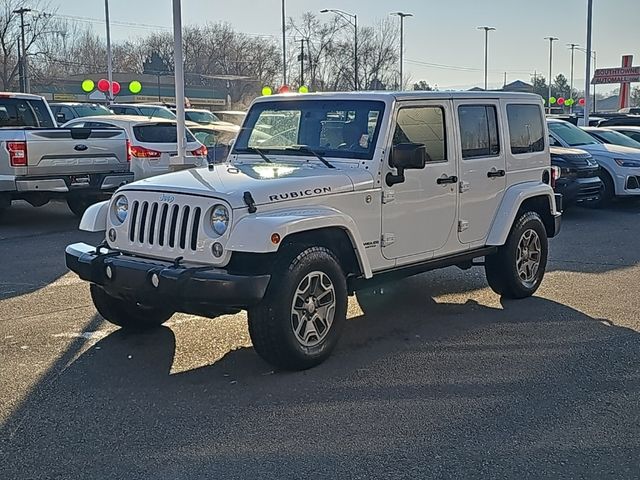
201, 117
91, 110
159, 133
157, 112
333, 128
572, 135
617, 138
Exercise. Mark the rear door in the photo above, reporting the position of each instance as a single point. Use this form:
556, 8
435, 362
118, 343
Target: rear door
482, 167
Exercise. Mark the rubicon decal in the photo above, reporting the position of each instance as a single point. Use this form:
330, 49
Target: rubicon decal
299, 194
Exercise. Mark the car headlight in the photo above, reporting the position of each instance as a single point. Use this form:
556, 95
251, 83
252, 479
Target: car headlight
121, 208
219, 219
627, 163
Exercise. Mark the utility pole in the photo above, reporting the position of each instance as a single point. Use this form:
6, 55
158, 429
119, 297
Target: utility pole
109, 54
284, 45
572, 46
551, 40
302, 62
587, 79
486, 54
20, 72
25, 67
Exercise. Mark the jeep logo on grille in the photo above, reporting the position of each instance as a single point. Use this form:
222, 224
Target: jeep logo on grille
167, 198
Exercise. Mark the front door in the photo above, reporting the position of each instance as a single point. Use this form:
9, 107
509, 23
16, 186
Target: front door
418, 214
482, 167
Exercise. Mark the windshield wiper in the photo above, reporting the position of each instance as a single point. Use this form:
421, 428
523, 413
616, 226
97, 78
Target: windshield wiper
307, 149
255, 150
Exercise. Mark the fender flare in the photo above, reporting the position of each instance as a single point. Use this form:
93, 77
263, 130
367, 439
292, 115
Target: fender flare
511, 202
95, 217
252, 234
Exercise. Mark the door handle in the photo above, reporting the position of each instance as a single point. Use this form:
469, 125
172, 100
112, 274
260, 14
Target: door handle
445, 180
496, 173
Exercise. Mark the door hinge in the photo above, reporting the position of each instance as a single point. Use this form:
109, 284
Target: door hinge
463, 225
464, 186
388, 196
388, 239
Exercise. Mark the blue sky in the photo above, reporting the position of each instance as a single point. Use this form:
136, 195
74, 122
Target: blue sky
442, 32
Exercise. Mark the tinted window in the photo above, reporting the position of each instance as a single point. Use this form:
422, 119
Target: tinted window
201, 117
479, 131
99, 125
157, 112
15, 112
425, 126
571, 135
68, 114
616, 138
118, 110
90, 110
526, 129
159, 133
130, 111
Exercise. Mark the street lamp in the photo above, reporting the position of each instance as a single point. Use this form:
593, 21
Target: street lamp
284, 45
486, 54
587, 80
573, 47
551, 40
595, 66
402, 17
109, 53
352, 19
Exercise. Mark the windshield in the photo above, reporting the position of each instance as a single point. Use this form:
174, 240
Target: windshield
91, 110
18, 112
333, 128
571, 135
159, 133
201, 117
157, 112
617, 138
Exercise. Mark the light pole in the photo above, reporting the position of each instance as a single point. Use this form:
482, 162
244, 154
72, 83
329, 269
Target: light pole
595, 66
25, 70
551, 40
178, 61
284, 44
352, 19
109, 53
572, 46
486, 54
402, 16
587, 80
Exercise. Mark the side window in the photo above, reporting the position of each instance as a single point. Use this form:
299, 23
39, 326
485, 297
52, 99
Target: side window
425, 126
117, 110
553, 142
526, 129
68, 114
130, 111
479, 131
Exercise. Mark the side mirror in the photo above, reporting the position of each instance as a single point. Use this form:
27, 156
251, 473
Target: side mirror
406, 156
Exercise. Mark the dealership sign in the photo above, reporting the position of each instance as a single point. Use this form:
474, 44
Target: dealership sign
616, 75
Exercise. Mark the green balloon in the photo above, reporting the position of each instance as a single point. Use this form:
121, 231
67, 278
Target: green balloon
569, 102
303, 89
88, 85
266, 91
552, 100
135, 87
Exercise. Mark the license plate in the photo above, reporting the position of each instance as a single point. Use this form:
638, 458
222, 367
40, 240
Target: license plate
80, 181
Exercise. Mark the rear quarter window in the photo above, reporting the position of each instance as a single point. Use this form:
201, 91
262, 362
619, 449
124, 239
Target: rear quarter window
526, 128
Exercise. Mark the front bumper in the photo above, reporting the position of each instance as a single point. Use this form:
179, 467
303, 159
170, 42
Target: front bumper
579, 189
203, 291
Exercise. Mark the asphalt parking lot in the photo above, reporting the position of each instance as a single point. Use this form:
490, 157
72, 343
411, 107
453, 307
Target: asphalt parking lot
449, 382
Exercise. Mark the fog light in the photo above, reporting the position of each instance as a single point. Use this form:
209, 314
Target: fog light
155, 280
112, 235
108, 272
217, 249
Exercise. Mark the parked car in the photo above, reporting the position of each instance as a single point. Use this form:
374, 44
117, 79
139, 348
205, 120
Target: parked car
620, 166
199, 116
607, 135
231, 116
631, 110
63, 112
626, 120
152, 142
217, 138
142, 110
40, 162
410, 182
630, 131
578, 182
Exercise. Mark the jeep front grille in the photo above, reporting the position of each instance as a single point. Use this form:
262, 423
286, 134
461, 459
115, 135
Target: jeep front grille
165, 225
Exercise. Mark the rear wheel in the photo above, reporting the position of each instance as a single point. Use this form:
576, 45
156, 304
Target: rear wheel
517, 269
128, 314
299, 322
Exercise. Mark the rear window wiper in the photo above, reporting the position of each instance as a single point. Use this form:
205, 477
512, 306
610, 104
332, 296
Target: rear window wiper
255, 150
307, 149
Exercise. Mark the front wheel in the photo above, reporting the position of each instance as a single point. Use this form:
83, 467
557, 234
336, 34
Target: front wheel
298, 323
128, 314
517, 269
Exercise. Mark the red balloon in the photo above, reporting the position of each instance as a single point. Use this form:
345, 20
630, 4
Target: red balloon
115, 86
581, 101
561, 101
103, 85
283, 89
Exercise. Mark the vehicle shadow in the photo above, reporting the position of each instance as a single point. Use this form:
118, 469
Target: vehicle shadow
533, 389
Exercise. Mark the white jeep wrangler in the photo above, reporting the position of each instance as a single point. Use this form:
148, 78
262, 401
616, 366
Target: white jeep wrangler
325, 195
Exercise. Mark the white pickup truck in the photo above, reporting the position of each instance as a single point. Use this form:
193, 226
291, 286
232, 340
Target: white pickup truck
39, 162
323, 196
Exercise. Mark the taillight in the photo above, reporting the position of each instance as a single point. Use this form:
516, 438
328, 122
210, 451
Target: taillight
128, 151
555, 175
142, 152
17, 153
199, 152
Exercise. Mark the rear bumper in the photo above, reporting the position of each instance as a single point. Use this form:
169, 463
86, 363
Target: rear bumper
103, 182
200, 290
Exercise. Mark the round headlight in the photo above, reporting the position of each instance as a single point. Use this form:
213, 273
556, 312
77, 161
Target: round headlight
121, 208
220, 219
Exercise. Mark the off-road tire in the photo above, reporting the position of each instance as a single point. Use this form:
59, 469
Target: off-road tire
128, 314
271, 323
501, 268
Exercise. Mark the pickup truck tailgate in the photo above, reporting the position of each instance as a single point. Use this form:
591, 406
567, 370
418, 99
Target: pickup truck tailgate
70, 151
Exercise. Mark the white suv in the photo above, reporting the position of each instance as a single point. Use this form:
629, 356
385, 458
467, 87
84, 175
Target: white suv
340, 193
